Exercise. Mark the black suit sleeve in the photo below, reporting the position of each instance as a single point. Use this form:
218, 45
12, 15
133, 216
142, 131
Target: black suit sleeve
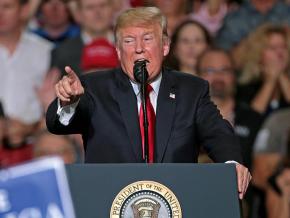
78, 123
216, 135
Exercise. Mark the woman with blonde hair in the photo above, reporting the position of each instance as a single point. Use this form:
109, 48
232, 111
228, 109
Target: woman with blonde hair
264, 62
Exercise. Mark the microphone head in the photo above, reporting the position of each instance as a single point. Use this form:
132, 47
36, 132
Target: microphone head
140, 71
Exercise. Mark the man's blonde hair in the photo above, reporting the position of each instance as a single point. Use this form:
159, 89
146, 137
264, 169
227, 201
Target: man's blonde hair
141, 16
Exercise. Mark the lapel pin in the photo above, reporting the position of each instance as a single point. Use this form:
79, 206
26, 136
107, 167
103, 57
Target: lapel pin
171, 95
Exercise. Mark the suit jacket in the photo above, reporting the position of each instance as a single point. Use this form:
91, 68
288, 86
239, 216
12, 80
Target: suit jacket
68, 54
107, 118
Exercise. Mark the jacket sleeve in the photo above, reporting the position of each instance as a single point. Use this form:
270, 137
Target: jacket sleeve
78, 123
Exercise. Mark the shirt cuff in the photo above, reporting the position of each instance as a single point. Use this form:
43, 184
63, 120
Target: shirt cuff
66, 113
232, 161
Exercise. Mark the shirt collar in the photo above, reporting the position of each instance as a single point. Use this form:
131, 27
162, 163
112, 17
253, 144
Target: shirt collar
155, 85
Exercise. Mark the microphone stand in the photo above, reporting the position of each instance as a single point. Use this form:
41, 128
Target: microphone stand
145, 117
141, 76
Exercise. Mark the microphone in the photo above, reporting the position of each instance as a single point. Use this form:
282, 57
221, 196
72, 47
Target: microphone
141, 76
140, 71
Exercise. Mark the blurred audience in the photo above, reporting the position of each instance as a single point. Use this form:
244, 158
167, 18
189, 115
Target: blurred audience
264, 61
188, 41
278, 192
119, 7
2, 122
12, 149
216, 66
47, 144
98, 55
55, 22
270, 148
175, 12
277, 202
95, 17
137, 3
22, 71
46, 93
211, 14
15, 147
251, 14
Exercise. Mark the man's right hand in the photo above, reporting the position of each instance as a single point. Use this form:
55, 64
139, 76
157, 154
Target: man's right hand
69, 88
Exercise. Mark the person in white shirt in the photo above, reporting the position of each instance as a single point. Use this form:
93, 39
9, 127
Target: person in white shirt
24, 61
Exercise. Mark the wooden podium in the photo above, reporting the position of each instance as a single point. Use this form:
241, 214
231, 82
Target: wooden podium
199, 190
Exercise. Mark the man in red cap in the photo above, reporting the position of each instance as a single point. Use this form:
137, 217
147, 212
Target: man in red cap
95, 18
99, 55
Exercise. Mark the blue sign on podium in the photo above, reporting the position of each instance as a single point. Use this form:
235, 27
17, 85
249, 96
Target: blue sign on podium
38, 189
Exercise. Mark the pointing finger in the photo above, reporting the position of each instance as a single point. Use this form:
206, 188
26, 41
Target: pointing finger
71, 74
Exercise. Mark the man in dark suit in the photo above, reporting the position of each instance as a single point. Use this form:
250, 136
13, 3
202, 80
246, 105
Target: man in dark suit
103, 106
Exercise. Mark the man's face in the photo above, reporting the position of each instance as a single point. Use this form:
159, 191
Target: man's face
216, 68
95, 15
11, 13
139, 43
55, 13
171, 7
263, 5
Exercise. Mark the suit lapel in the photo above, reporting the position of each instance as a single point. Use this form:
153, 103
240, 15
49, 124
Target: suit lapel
127, 101
165, 113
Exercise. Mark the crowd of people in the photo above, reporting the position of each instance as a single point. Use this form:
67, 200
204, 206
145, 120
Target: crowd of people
242, 48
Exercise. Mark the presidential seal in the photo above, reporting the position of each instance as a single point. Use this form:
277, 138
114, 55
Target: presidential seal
145, 199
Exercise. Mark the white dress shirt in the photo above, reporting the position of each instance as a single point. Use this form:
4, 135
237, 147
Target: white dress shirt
152, 95
21, 73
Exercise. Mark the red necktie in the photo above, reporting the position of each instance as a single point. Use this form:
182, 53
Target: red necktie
151, 126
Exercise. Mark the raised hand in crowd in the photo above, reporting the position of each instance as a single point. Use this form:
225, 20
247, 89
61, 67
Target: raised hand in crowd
264, 60
274, 69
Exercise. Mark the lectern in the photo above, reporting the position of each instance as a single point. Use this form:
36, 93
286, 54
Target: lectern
154, 190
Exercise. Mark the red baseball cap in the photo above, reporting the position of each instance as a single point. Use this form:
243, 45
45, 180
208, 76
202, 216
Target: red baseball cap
99, 54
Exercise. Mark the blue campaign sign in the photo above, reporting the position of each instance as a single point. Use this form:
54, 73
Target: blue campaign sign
38, 189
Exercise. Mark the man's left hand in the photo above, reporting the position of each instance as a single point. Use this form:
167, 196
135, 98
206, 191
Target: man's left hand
244, 177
